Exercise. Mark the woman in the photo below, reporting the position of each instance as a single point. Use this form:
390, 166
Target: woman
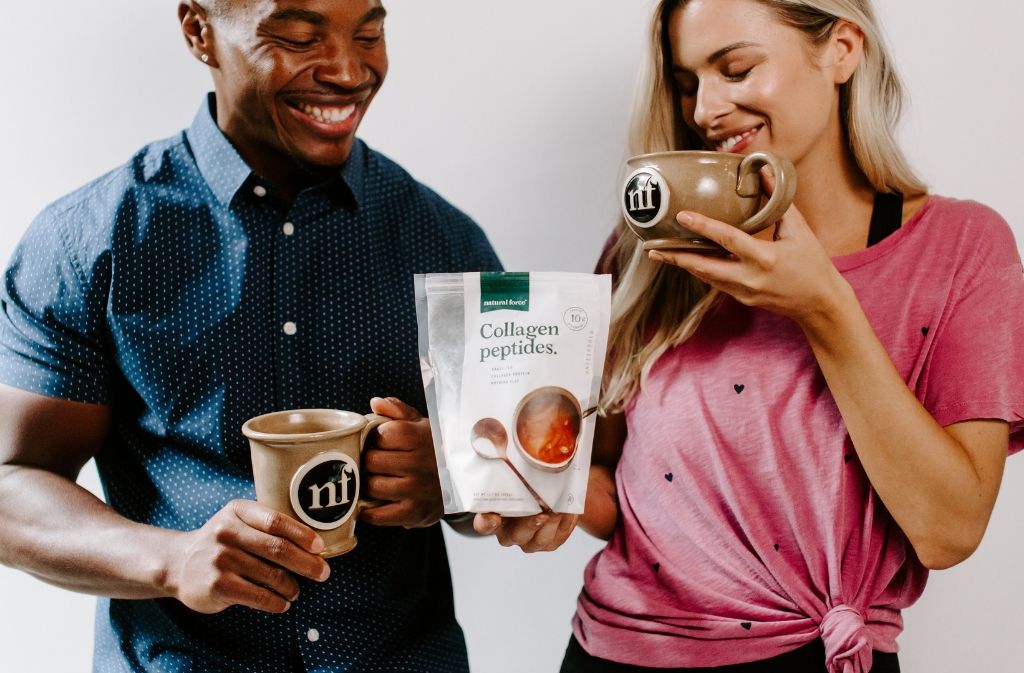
797, 432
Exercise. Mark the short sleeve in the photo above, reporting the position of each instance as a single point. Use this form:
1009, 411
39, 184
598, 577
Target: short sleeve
976, 367
52, 318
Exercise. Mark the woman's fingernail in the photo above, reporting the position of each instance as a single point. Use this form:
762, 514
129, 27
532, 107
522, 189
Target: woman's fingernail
684, 219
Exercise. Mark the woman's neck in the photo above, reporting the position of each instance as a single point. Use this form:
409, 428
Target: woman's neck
836, 199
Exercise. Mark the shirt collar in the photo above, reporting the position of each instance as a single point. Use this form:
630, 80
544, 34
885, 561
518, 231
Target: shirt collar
220, 164
224, 169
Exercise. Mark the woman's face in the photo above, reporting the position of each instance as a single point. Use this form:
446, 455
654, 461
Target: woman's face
748, 82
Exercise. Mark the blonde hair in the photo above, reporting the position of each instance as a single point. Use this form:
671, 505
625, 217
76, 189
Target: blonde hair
656, 307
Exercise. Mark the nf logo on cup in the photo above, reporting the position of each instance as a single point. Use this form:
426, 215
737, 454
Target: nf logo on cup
645, 197
324, 491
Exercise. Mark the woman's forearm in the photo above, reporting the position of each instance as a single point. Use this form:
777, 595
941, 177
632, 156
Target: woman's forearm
601, 510
938, 485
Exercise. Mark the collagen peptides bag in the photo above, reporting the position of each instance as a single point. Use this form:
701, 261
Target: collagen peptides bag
512, 366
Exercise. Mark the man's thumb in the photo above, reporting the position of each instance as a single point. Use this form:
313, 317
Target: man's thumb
392, 407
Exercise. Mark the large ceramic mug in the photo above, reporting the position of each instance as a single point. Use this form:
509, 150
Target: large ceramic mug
720, 185
305, 463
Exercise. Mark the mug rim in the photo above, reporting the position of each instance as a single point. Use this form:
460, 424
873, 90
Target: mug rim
250, 431
661, 153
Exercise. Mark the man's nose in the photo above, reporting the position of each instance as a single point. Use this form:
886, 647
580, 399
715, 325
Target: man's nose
342, 66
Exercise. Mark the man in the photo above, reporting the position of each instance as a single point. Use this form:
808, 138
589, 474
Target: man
260, 260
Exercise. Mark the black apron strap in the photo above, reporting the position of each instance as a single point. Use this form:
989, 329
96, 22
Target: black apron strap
886, 216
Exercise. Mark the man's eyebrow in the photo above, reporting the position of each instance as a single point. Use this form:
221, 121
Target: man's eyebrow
318, 19
296, 14
375, 14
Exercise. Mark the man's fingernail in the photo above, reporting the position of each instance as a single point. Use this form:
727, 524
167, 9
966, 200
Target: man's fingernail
317, 546
325, 572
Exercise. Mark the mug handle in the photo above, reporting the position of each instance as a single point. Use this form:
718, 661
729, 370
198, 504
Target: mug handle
782, 197
372, 421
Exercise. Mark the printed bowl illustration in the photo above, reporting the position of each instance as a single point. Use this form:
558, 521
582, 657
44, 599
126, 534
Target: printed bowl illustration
547, 424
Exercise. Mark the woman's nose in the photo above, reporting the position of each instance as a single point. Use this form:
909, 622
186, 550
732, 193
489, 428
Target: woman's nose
711, 104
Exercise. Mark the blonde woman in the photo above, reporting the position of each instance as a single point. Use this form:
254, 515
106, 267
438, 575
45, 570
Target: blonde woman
795, 433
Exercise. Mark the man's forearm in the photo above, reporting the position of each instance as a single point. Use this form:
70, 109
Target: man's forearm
62, 534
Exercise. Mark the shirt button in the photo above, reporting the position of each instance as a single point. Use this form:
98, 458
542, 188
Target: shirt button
288, 228
313, 635
290, 328
259, 190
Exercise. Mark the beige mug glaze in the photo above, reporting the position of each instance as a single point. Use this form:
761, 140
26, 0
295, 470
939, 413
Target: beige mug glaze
304, 457
720, 185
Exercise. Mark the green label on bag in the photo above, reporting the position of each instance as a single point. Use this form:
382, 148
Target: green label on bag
504, 291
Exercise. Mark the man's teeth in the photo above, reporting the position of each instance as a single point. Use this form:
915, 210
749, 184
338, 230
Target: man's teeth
328, 115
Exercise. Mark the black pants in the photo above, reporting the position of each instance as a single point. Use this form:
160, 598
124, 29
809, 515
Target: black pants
807, 659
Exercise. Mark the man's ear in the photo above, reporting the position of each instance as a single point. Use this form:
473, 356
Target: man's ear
198, 33
847, 46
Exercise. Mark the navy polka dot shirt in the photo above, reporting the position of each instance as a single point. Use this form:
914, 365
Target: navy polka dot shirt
183, 292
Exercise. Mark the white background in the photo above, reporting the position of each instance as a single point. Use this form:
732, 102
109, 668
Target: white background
516, 112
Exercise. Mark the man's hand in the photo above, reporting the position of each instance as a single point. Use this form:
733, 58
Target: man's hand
247, 554
540, 532
401, 470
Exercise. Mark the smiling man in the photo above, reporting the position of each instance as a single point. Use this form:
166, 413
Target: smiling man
260, 260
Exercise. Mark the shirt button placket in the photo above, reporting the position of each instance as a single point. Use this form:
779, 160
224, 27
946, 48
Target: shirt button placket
289, 254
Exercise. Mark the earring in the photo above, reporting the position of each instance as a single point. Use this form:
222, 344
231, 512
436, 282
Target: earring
205, 58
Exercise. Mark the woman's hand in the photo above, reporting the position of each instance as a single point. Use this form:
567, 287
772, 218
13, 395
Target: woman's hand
540, 532
791, 275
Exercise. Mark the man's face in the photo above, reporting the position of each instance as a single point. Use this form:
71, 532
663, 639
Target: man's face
294, 78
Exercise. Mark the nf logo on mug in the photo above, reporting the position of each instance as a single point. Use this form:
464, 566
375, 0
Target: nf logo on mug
645, 197
324, 491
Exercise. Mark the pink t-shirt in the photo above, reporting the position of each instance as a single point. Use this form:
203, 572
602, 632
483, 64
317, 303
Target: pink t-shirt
747, 526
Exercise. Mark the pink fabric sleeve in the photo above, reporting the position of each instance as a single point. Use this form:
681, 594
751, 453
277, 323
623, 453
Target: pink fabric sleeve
976, 366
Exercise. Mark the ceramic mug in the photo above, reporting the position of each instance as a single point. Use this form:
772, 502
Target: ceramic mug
720, 185
305, 464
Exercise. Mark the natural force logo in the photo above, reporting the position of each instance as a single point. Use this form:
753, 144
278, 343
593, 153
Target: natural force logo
645, 197
324, 491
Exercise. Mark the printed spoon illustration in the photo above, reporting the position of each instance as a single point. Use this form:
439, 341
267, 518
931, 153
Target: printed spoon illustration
490, 440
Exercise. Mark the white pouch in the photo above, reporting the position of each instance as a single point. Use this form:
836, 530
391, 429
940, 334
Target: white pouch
512, 366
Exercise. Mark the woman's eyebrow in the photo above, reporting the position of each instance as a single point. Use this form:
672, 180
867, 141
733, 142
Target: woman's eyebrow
681, 69
732, 47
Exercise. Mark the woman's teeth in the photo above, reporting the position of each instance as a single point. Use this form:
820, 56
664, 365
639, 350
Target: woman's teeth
328, 115
730, 143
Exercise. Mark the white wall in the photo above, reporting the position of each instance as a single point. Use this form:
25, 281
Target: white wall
516, 112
